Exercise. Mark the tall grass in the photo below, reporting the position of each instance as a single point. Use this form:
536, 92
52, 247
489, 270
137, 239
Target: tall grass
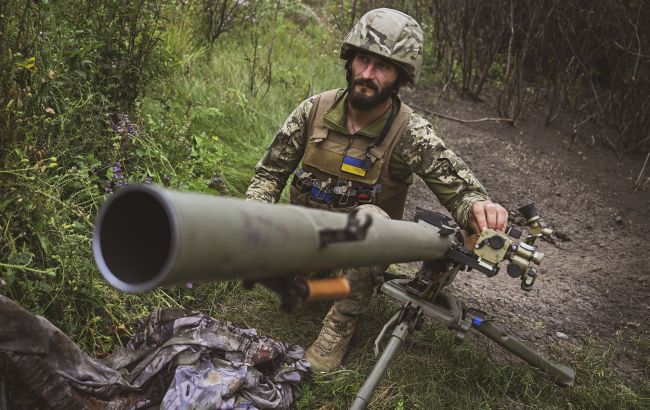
206, 115
196, 128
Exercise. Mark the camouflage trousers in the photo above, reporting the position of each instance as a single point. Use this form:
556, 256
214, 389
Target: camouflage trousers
363, 280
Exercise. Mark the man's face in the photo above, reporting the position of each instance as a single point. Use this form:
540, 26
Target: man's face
373, 81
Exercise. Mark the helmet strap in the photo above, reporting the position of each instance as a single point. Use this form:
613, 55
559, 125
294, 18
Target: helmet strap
402, 78
397, 85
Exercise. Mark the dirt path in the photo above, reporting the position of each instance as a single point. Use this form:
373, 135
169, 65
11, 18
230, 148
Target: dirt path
596, 282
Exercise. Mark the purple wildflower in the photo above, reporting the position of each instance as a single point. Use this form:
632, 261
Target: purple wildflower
118, 178
147, 180
121, 124
117, 181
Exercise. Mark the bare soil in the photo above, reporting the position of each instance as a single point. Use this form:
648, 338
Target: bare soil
595, 279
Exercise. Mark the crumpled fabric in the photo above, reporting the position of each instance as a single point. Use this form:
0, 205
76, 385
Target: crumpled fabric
176, 358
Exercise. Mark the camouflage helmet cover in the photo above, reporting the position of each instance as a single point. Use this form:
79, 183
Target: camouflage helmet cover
391, 34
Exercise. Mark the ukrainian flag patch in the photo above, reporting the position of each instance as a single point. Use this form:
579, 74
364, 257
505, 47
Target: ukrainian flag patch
354, 166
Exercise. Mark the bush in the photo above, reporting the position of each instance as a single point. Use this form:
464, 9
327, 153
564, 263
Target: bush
81, 132
71, 76
66, 68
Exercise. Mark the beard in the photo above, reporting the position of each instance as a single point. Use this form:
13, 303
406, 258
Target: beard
359, 101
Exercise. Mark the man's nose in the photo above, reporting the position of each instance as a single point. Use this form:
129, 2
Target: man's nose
368, 72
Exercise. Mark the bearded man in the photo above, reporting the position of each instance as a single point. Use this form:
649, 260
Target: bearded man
359, 147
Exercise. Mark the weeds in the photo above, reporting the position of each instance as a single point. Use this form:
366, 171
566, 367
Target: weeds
433, 371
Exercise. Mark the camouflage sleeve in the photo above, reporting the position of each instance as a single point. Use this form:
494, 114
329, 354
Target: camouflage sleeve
421, 150
282, 157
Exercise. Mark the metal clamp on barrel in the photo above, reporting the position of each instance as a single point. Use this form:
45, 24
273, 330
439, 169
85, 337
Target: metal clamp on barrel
354, 230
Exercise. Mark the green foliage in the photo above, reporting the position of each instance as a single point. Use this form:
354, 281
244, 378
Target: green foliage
67, 74
72, 138
66, 68
219, 16
210, 124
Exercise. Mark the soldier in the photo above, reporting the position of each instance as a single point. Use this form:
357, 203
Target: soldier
360, 147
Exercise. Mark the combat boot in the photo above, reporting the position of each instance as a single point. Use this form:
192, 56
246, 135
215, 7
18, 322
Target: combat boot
326, 353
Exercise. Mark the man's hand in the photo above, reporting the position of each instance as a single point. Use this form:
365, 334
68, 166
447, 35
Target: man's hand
486, 214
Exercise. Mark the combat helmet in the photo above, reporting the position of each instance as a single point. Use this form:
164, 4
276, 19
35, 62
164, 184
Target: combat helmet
391, 34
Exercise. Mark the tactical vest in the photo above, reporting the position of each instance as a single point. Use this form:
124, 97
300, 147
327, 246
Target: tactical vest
324, 155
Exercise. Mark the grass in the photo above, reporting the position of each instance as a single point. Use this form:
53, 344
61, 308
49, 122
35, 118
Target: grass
433, 371
207, 103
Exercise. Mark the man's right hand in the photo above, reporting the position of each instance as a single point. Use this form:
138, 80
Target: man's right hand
487, 214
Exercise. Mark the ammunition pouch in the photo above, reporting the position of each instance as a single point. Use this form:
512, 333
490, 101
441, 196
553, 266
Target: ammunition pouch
338, 195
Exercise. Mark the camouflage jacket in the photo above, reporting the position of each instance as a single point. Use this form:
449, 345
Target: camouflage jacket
419, 151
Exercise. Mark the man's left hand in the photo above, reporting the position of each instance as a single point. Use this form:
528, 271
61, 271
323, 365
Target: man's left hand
487, 214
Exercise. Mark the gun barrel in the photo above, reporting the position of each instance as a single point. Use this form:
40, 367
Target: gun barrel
146, 237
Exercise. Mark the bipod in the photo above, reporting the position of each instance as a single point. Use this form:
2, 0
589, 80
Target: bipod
449, 311
407, 319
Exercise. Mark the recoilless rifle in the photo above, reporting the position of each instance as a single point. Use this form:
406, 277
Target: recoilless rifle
146, 237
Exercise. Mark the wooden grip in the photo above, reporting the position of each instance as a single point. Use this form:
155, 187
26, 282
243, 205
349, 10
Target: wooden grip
328, 289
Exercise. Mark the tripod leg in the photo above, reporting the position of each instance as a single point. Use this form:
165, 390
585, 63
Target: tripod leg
562, 375
375, 376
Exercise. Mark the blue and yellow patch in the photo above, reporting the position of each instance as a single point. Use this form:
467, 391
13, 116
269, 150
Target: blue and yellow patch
354, 166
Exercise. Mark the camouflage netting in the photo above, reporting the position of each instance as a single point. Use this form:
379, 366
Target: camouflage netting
175, 359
